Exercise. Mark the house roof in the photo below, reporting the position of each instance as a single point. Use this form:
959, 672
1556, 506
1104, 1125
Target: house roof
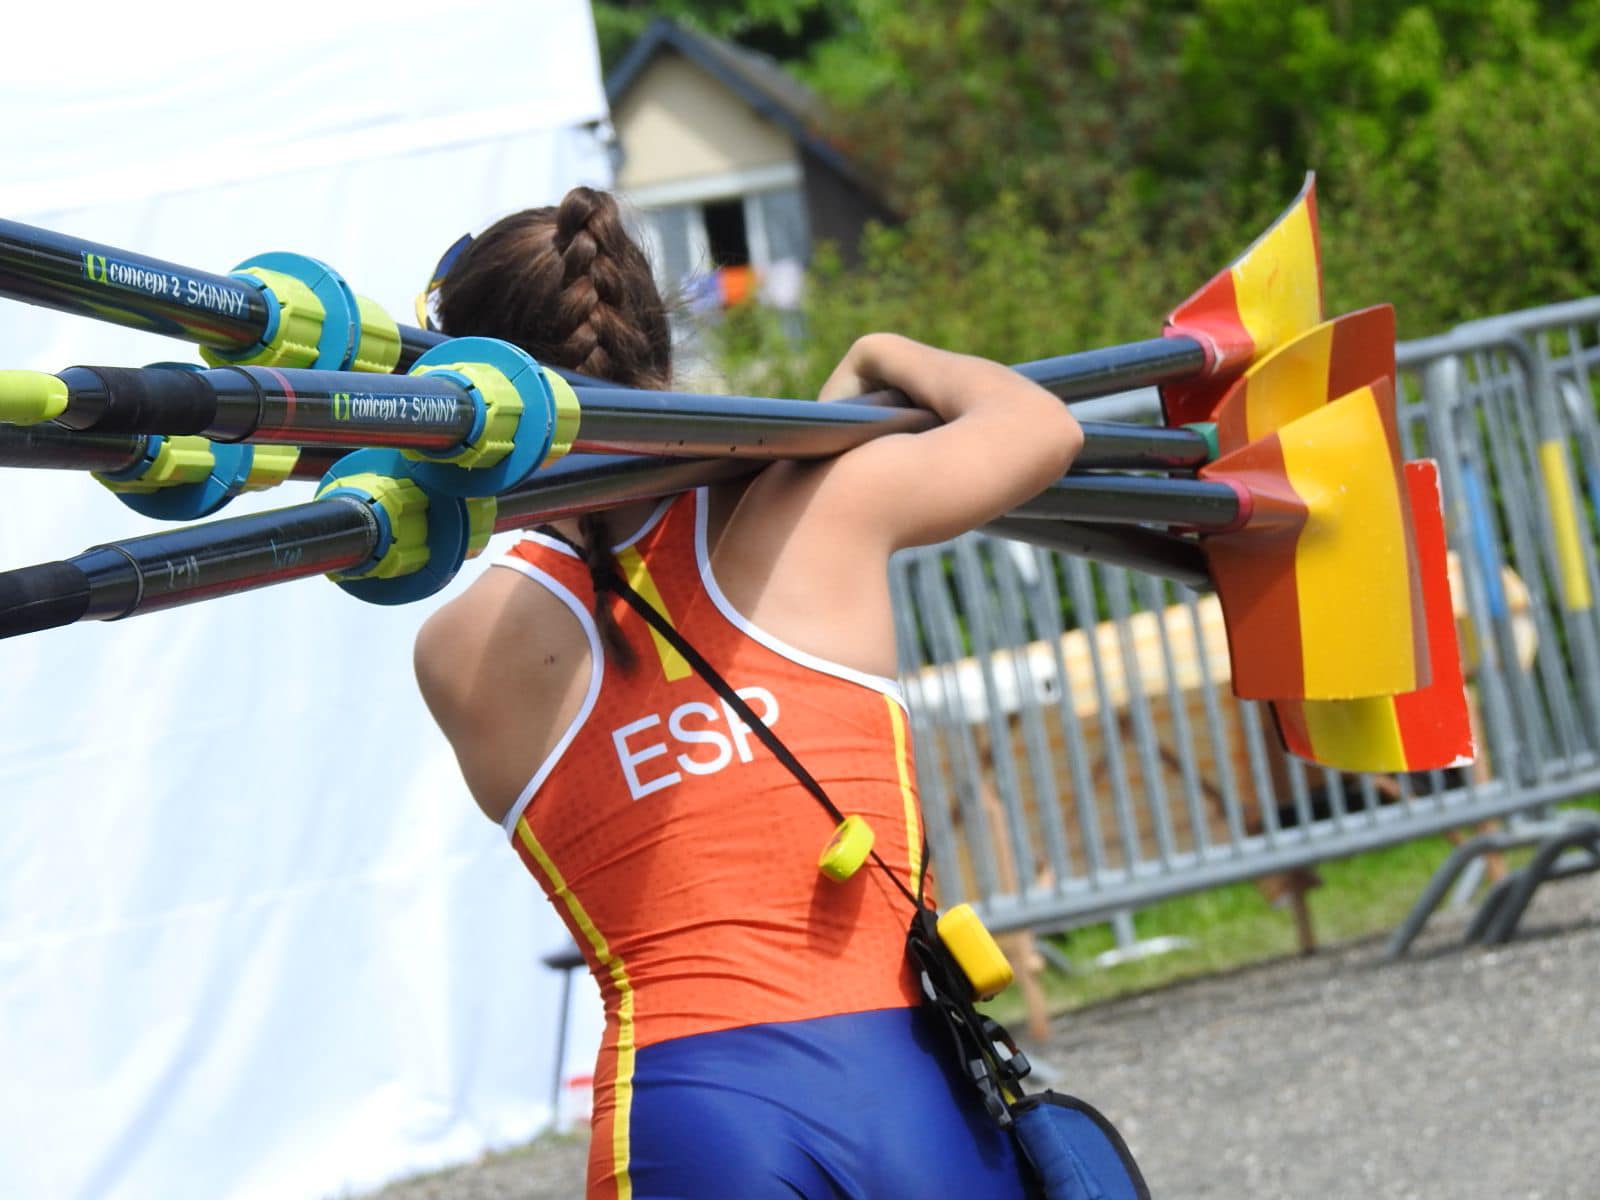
756, 78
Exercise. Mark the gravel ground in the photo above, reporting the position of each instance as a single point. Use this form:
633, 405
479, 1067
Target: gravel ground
1459, 1073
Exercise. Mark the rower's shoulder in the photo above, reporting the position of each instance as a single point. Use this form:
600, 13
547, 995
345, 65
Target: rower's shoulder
490, 645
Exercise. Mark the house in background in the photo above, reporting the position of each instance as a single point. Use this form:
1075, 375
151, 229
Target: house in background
722, 158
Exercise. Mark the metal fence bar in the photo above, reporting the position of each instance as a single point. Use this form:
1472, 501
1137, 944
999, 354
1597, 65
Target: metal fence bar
1048, 619
1152, 594
1144, 732
1032, 693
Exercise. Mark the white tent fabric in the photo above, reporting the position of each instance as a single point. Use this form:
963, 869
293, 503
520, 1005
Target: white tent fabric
255, 941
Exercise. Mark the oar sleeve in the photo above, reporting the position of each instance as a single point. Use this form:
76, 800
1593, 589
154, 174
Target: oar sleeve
163, 400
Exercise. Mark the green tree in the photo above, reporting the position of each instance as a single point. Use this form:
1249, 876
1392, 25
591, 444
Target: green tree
786, 29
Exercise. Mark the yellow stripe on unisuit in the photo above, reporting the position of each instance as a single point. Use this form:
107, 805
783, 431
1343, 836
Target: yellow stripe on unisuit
673, 665
1575, 595
908, 795
1276, 287
623, 1087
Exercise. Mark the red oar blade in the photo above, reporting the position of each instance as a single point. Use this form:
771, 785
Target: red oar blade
1318, 585
1427, 729
1325, 362
1267, 296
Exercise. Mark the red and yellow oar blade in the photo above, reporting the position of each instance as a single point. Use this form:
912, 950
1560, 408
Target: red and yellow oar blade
1270, 294
1318, 586
1428, 729
1325, 362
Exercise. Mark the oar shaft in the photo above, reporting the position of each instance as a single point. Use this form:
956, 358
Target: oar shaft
1137, 500
582, 483
179, 566
342, 408
1145, 550
1112, 445
338, 534
693, 424
38, 266
436, 414
91, 279
589, 483
50, 447
1149, 363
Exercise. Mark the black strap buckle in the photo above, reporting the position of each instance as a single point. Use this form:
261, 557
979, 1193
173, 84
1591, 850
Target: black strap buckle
985, 1048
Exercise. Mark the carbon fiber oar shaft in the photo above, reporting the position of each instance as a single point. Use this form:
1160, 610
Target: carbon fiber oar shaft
180, 566
436, 413
51, 447
91, 279
1162, 554
1138, 500
338, 534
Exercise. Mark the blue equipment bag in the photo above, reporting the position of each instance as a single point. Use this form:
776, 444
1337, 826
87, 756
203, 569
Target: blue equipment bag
1071, 1151
1075, 1153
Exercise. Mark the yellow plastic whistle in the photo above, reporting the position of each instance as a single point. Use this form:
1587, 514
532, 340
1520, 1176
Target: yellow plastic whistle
847, 849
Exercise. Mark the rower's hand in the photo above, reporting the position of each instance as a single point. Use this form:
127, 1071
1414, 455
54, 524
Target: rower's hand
1003, 440
868, 363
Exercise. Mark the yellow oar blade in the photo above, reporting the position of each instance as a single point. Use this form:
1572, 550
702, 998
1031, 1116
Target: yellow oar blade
1269, 295
1325, 362
1427, 729
1317, 585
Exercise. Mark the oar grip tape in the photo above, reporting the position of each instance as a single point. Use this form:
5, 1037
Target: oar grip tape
42, 597
139, 400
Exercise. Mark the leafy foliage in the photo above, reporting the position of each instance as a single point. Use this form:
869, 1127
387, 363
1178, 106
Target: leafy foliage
1070, 169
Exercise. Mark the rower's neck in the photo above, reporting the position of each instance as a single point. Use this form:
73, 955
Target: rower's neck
621, 523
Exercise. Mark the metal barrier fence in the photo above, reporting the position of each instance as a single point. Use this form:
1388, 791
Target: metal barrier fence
1080, 752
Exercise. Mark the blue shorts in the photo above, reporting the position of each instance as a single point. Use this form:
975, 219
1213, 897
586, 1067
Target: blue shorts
863, 1106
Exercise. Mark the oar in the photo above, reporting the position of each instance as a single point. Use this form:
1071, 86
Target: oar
389, 539
287, 310
460, 411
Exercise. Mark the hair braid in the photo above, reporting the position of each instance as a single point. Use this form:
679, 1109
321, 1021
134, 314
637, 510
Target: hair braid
569, 286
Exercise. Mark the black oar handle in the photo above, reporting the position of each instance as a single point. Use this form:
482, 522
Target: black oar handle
42, 597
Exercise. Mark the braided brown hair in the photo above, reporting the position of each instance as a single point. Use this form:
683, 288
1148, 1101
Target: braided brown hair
569, 286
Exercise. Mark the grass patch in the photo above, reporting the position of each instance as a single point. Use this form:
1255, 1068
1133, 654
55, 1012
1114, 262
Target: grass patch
1234, 926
